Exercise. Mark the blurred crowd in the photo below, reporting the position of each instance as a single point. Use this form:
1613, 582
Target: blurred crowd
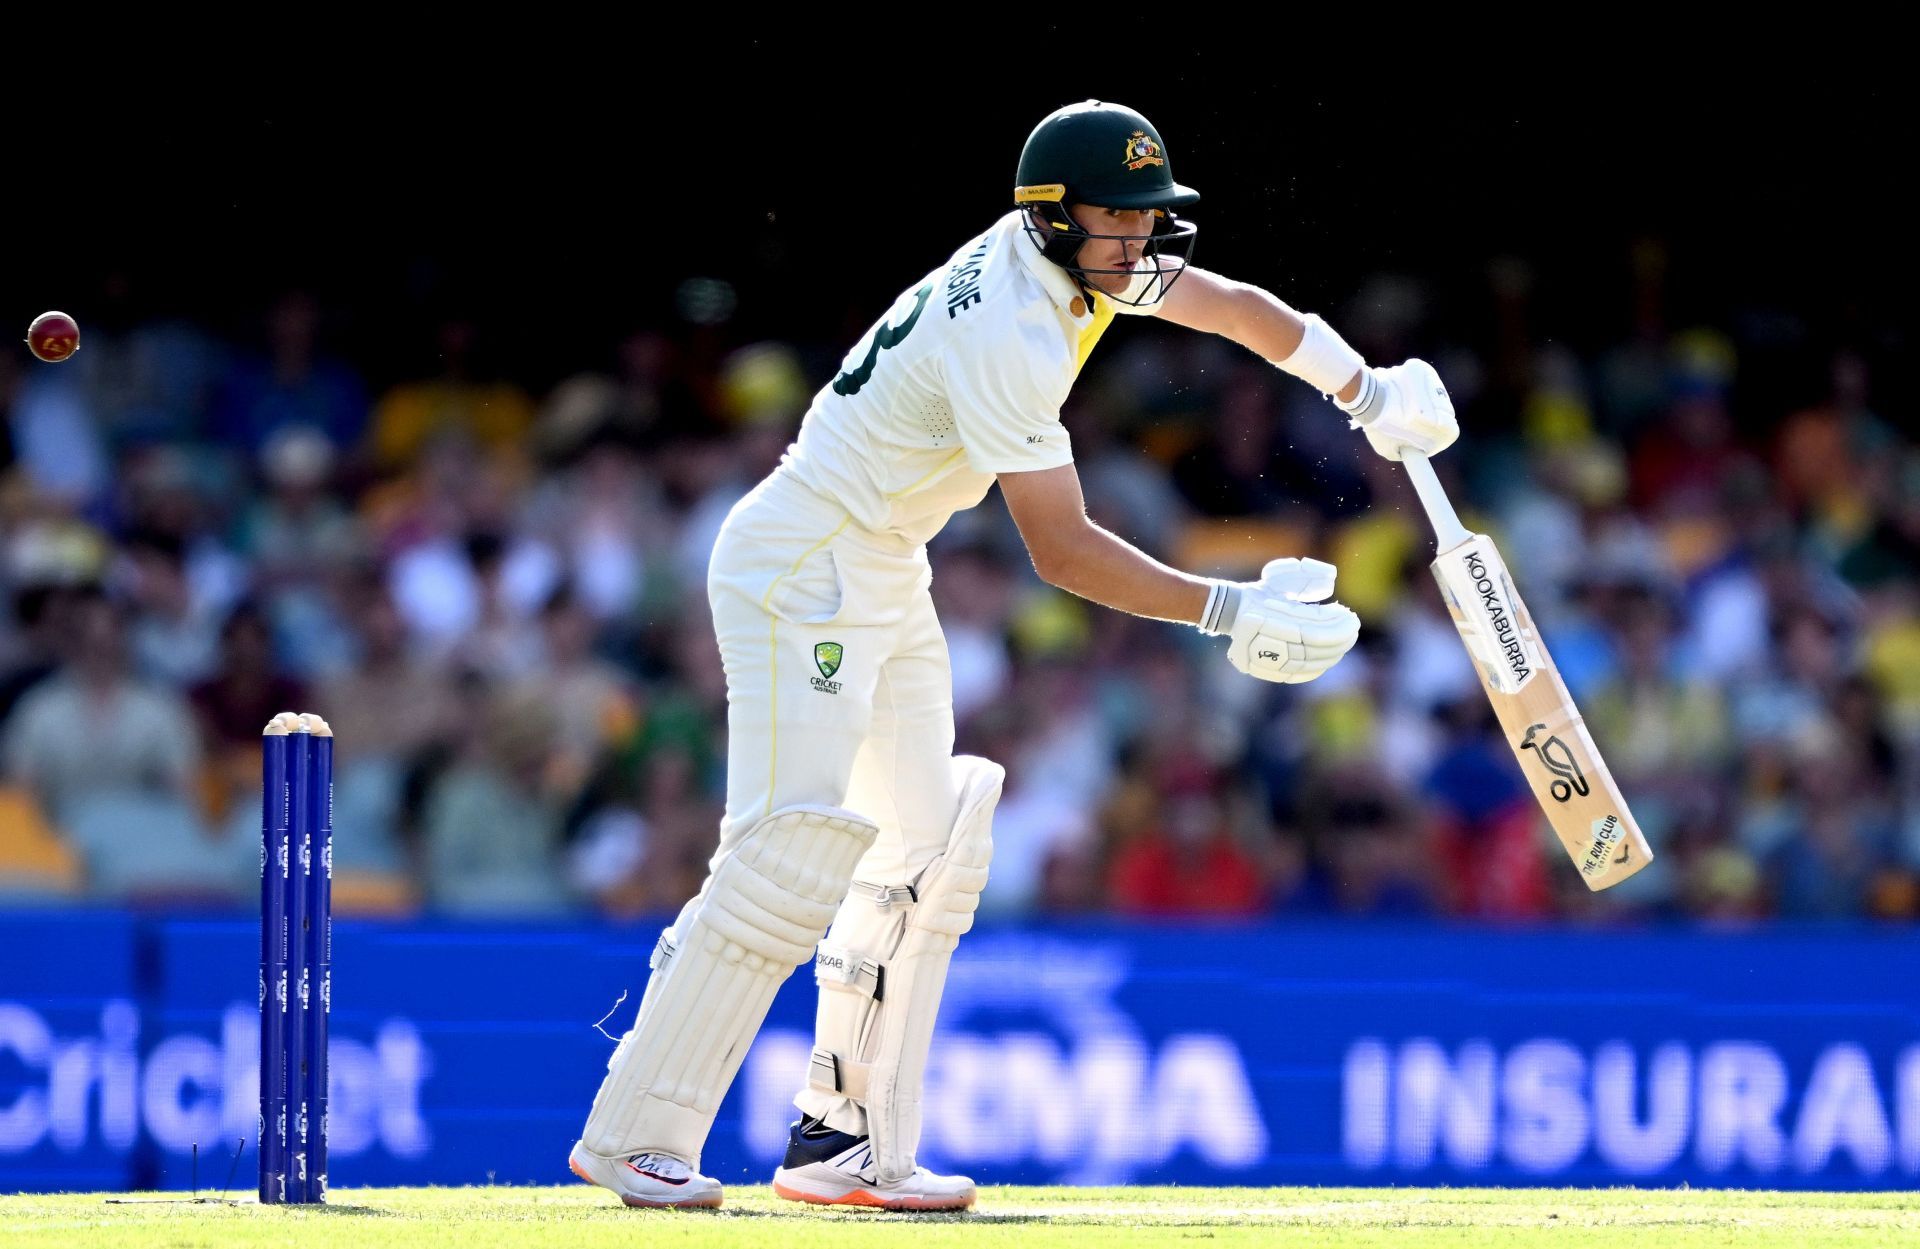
496, 596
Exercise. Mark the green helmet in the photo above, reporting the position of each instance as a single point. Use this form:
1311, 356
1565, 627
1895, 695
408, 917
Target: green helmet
1108, 156
1101, 154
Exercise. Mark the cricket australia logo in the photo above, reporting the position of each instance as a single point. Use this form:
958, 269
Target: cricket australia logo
1142, 151
1568, 779
827, 657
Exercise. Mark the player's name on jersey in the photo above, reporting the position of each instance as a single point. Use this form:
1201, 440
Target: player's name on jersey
963, 280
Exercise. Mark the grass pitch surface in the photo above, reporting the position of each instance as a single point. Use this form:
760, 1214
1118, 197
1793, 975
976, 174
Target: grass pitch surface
581, 1217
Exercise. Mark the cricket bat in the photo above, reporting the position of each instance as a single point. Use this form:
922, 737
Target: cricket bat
1557, 756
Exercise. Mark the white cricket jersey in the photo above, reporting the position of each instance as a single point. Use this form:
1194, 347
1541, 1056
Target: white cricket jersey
962, 379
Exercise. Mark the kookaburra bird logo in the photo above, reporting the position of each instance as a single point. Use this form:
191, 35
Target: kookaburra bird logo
1558, 756
1142, 151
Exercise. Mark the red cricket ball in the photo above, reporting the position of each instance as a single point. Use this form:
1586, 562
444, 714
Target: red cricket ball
53, 336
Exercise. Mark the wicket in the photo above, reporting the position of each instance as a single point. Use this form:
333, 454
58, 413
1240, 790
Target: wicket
296, 956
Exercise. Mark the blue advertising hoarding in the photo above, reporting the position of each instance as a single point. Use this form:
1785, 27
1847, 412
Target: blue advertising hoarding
1103, 1053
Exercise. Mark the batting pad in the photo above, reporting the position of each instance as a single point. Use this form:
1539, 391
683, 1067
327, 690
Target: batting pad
881, 973
758, 918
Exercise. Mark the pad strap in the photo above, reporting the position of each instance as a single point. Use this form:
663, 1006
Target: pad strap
836, 967
831, 1073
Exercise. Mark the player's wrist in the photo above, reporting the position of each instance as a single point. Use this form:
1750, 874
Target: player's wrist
1367, 401
1223, 607
1323, 359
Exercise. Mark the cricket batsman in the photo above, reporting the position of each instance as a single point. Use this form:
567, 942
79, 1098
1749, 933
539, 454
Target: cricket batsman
853, 837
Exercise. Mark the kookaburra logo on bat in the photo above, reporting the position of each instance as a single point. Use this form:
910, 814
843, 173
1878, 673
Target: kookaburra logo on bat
1568, 779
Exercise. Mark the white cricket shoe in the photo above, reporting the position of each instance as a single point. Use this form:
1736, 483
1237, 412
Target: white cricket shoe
832, 1168
655, 1181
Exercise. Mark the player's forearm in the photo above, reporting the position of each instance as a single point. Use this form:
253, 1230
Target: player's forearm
1108, 570
1260, 321
1266, 325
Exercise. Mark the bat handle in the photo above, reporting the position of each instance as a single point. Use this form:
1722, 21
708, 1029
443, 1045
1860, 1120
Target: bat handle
1447, 529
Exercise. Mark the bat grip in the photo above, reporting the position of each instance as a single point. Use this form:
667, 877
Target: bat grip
1447, 529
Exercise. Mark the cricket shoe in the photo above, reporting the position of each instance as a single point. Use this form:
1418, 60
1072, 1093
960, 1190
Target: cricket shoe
832, 1168
654, 1181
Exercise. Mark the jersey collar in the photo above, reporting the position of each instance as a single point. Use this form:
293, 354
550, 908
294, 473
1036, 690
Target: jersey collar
1064, 290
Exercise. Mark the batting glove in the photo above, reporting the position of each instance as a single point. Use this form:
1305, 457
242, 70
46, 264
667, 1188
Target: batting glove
1404, 408
1278, 629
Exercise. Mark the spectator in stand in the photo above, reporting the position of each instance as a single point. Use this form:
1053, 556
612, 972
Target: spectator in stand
292, 386
175, 635
247, 688
391, 704
594, 703
974, 595
1839, 836
93, 725
1486, 825
1657, 721
1186, 860
56, 443
299, 526
42, 626
492, 826
232, 706
1727, 574
598, 509
458, 403
305, 547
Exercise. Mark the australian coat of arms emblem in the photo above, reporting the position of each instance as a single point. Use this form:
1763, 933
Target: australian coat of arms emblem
1142, 151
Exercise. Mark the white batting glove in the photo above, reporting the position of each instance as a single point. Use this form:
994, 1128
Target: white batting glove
1278, 628
1302, 580
1404, 408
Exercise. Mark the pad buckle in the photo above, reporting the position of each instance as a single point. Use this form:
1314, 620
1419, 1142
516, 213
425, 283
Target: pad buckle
827, 1073
886, 897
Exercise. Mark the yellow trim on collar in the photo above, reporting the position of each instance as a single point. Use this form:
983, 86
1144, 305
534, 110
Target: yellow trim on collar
1102, 318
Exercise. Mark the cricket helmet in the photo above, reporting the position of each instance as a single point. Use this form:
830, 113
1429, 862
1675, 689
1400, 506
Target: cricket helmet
1108, 156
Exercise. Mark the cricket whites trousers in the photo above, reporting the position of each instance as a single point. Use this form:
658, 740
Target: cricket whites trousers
844, 803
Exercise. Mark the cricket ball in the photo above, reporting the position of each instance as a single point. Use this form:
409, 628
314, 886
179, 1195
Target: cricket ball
53, 336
